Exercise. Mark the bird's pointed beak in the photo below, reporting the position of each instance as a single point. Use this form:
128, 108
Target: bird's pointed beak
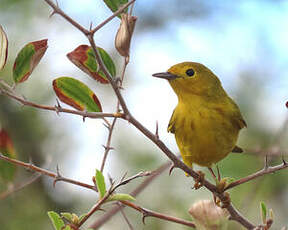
165, 75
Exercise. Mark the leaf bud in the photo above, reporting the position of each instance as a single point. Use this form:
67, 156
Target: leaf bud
208, 216
124, 34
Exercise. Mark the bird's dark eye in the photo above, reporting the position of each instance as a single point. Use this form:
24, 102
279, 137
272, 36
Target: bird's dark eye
190, 72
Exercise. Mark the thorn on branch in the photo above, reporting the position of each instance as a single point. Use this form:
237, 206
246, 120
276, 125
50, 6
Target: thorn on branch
58, 176
29, 169
107, 148
57, 107
157, 131
266, 163
145, 215
53, 13
110, 179
123, 177
173, 166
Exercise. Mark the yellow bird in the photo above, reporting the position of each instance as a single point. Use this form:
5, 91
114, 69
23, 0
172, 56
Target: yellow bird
206, 122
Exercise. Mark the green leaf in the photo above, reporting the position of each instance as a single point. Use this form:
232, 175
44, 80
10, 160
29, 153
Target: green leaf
27, 59
121, 196
7, 171
100, 182
56, 220
263, 210
3, 48
114, 5
84, 58
67, 215
77, 94
67, 227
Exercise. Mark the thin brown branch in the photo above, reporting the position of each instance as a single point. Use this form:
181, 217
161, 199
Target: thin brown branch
109, 214
96, 207
21, 185
57, 10
116, 13
56, 176
108, 144
147, 213
260, 173
111, 127
126, 219
59, 109
110, 192
129, 179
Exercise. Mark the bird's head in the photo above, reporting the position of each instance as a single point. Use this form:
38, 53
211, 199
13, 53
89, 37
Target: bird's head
191, 78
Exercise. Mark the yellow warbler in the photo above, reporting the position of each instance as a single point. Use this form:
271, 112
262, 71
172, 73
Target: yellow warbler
206, 121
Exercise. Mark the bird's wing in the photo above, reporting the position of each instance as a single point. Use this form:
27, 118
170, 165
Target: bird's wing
171, 125
237, 118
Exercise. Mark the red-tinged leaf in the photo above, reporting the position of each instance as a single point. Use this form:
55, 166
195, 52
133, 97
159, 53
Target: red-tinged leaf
77, 94
27, 59
84, 58
3, 48
7, 171
115, 4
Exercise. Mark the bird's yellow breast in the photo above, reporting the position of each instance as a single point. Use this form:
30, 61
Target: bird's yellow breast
203, 134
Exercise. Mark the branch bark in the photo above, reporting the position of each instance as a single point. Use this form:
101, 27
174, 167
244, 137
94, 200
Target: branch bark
262, 172
59, 109
57, 177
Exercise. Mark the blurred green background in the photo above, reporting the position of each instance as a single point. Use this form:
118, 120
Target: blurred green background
243, 42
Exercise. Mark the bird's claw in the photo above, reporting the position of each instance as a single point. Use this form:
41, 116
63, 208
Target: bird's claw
199, 181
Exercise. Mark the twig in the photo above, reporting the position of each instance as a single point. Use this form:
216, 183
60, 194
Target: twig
147, 213
57, 10
95, 208
262, 172
56, 176
104, 218
20, 186
110, 192
111, 127
126, 219
59, 109
108, 144
120, 10
126, 181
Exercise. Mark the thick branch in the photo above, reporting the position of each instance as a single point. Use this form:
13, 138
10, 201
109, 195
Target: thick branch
262, 172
